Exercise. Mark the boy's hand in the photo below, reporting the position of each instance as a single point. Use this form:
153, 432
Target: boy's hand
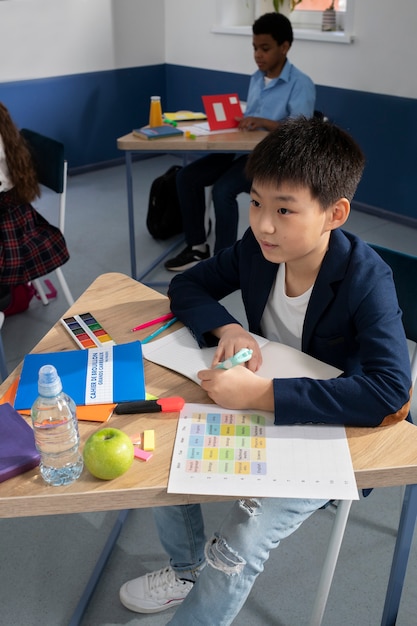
238, 388
249, 123
256, 123
233, 338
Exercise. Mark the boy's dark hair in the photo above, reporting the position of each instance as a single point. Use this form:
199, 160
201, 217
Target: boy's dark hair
309, 153
276, 25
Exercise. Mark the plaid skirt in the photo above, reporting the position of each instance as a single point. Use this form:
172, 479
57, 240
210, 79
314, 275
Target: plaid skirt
30, 246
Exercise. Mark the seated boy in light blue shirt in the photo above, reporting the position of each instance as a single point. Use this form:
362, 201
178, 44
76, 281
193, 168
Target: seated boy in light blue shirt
277, 91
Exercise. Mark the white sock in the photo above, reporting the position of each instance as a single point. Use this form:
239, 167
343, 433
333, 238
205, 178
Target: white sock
201, 247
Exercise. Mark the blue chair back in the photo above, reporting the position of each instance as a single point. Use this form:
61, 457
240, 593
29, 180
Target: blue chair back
404, 269
48, 156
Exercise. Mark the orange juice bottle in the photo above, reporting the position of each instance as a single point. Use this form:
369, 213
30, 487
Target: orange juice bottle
155, 113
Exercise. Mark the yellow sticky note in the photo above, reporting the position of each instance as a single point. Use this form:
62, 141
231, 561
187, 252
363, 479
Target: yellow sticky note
149, 440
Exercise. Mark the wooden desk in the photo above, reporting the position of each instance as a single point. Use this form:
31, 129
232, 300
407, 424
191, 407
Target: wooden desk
381, 457
242, 141
119, 303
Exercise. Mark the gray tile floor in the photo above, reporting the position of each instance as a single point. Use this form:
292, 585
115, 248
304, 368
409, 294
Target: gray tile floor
46, 561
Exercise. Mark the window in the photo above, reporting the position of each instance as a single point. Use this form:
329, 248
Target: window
320, 5
307, 18
308, 15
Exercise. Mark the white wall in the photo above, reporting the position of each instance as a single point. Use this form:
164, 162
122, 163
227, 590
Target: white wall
381, 60
45, 38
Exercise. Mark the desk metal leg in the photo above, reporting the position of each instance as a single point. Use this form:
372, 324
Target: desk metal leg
132, 241
327, 572
98, 569
154, 264
401, 554
3, 363
131, 217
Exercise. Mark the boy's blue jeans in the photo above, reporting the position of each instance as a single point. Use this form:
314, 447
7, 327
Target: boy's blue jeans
227, 566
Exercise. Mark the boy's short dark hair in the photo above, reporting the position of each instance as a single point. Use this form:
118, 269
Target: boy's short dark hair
309, 153
276, 25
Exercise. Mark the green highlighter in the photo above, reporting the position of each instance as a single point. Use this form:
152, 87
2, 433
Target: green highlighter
240, 357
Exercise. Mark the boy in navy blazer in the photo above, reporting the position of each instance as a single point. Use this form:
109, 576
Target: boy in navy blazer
304, 282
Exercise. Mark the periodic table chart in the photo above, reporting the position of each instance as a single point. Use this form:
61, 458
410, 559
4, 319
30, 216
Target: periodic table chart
242, 453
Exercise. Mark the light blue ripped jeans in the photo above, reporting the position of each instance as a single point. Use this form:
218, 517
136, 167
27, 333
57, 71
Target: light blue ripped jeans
234, 556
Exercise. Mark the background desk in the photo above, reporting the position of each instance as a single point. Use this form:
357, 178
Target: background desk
242, 141
381, 457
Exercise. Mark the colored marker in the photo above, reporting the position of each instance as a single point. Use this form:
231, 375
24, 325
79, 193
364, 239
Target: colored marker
159, 331
240, 357
165, 405
157, 320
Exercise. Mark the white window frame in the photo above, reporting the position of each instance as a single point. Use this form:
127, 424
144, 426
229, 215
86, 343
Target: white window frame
306, 25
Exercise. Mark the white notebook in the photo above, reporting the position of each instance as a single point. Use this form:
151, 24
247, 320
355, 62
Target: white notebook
298, 461
180, 352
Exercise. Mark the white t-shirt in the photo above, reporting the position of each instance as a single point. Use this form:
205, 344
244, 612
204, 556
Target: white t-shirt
5, 180
283, 317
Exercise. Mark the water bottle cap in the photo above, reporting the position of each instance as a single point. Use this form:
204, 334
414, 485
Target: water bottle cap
49, 383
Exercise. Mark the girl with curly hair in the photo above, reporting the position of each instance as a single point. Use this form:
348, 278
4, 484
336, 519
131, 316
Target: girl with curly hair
30, 247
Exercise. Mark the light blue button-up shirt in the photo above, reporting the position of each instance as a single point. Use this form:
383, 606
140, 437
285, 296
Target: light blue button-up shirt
291, 94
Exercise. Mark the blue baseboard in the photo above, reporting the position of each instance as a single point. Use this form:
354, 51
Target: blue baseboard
390, 216
87, 112
384, 126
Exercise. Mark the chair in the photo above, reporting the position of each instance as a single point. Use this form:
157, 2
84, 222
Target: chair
3, 365
404, 268
51, 168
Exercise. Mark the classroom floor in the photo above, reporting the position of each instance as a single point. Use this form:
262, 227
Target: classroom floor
46, 561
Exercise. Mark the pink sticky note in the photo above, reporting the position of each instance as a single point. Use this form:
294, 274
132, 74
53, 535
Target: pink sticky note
142, 454
136, 439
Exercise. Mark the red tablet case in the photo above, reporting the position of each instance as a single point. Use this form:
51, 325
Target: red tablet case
18, 453
222, 111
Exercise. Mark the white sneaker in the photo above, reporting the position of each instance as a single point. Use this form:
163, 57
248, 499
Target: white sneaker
154, 592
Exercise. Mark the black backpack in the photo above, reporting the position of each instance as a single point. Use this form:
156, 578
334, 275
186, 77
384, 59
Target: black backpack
164, 218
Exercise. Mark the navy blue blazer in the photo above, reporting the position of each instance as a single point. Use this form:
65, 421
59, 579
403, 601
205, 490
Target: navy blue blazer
352, 321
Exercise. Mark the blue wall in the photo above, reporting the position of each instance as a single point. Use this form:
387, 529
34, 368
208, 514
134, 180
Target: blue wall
186, 85
384, 126
386, 129
87, 112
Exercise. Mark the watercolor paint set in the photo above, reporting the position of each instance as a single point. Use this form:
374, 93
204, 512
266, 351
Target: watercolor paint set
86, 331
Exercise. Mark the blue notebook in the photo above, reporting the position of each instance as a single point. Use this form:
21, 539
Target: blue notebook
95, 376
18, 453
157, 132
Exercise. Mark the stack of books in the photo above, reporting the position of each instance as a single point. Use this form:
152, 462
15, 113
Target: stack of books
157, 132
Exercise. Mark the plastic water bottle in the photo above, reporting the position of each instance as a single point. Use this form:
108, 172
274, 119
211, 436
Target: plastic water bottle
155, 112
56, 430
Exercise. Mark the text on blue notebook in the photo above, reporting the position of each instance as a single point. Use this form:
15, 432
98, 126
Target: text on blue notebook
93, 376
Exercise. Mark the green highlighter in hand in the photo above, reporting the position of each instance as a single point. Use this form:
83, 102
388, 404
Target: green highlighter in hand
240, 357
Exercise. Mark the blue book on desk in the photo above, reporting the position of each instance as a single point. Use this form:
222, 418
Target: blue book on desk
157, 132
95, 376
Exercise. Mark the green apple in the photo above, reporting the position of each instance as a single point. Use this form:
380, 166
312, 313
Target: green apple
108, 453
